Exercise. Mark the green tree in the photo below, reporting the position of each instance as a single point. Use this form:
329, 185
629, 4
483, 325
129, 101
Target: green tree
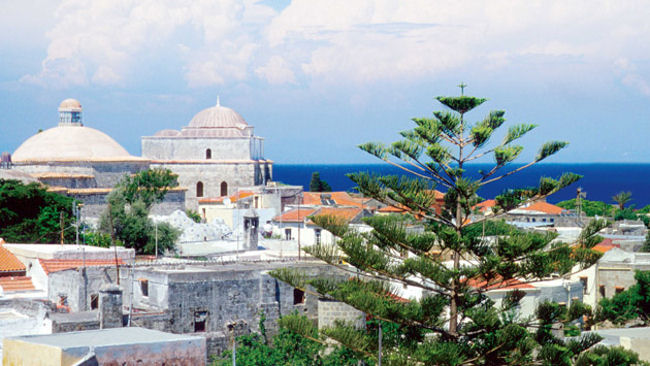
630, 304
127, 214
460, 322
287, 348
621, 199
646, 244
590, 208
318, 185
31, 214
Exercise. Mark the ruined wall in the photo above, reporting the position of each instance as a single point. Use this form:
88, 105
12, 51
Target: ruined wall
329, 311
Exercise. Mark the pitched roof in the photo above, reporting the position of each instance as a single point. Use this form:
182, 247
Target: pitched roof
295, 215
344, 213
339, 198
545, 207
483, 206
233, 198
8, 261
17, 283
498, 283
56, 265
605, 246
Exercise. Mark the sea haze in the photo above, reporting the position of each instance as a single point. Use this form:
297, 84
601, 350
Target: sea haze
601, 181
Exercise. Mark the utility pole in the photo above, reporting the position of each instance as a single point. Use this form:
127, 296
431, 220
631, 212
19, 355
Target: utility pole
61, 224
380, 336
156, 225
110, 223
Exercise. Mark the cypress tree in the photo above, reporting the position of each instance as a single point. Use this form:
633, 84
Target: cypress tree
451, 261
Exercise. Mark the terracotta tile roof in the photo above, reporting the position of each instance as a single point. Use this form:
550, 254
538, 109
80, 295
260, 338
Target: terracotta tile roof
18, 283
483, 206
62, 175
8, 261
605, 246
340, 198
498, 284
56, 265
295, 215
544, 207
345, 213
233, 198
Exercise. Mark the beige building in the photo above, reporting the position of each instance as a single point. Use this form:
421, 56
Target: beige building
214, 155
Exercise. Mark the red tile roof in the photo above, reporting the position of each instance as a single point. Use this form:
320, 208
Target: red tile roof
483, 206
8, 261
498, 284
544, 207
340, 198
56, 265
295, 215
605, 246
344, 213
233, 198
18, 283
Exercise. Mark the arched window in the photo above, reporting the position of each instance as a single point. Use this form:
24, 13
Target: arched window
208, 154
224, 188
199, 189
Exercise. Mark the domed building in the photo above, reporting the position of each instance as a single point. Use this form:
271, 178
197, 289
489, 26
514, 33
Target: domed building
77, 160
214, 155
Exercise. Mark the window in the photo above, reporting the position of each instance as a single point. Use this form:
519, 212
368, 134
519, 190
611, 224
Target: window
619, 289
317, 233
298, 296
552, 220
200, 318
601, 289
94, 301
208, 154
224, 189
287, 234
584, 281
144, 287
199, 189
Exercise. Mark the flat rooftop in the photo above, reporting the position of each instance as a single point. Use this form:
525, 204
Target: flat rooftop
105, 337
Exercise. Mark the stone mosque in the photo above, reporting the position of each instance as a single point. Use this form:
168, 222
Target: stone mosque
214, 155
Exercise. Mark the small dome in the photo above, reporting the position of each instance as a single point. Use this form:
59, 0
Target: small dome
167, 133
218, 117
70, 104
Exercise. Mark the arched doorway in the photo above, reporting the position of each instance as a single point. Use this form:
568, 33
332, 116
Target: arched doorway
208, 154
199, 189
224, 188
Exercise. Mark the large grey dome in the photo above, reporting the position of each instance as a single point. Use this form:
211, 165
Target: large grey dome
218, 117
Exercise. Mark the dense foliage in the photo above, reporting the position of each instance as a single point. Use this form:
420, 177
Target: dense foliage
451, 261
590, 208
633, 303
127, 216
318, 185
287, 348
31, 214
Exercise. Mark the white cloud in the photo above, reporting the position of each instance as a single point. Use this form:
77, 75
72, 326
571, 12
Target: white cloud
276, 71
630, 76
336, 42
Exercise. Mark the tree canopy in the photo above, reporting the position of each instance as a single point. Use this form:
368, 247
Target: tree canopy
127, 216
318, 185
455, 322
31, 214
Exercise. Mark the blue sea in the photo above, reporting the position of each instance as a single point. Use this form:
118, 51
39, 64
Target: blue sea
601, 181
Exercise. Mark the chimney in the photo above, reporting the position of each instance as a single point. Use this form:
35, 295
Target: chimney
110, 307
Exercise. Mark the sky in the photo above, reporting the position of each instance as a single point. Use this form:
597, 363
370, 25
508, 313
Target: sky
318, 78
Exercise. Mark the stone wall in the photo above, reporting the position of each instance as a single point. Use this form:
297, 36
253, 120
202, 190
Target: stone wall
330, 311
194, 148
212, 174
